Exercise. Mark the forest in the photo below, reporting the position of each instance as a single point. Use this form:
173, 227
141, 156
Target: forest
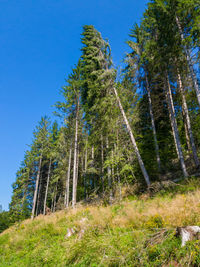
136, 127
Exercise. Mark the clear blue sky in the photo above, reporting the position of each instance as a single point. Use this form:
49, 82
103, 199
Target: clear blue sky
39, 43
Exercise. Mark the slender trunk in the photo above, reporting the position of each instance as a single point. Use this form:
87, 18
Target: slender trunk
75, 158
102, 161
113, 175
174, 125
36, 188
109, 172
153, 124
194, 151
186, 130
112, 167
119, 183
92, 178
25, 189
52, 203
39, 198
171, 122
118, 176
55, 195
46, 193
77, 166
142, 167
189, 60
172, 111
66, 201
85, 171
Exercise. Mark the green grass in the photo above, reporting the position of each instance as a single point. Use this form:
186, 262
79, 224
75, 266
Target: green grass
119, 235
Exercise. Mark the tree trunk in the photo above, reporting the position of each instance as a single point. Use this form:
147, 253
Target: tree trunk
186, 130
85, 171
118, 176
188, 57
77, 166
112, 176
102, 162
54, 200
52, 203
92, 178
142, 167
109, 172
172, 111
75, 158
174, 126
112, 167
36, 188
46, 192
194, 151
153, 124
66, 201
26, 188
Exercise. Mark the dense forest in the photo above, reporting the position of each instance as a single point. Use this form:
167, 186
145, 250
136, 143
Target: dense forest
136, 127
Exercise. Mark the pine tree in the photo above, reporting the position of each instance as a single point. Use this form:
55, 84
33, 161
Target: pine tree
71, 106
40, 149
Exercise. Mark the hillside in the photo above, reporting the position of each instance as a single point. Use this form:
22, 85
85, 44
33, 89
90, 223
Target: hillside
138, 231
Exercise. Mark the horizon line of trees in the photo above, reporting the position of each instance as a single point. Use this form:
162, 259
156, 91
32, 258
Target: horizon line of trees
141, 128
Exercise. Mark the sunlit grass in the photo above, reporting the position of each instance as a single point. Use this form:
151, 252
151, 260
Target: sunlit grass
116, 235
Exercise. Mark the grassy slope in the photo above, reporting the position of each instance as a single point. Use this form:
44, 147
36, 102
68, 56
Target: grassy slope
119, 235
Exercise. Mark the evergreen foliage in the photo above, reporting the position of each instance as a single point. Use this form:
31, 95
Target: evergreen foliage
89, 155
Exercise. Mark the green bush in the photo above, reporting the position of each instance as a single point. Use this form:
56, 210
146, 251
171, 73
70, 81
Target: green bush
155, 221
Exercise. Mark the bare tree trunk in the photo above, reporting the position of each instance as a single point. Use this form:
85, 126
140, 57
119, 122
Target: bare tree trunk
118, 176
153, 124
171, 111
119, 184
142, 167
85, 171
174, 125
77, 166
92, 179
54, 201
109, 172
113, 175
194, 151
46, 193
38, 198
66, 200
36, 188
112, 166
188, 57
186, 130
25, 189
75, 159
102, 162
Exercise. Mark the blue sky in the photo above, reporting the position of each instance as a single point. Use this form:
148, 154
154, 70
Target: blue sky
39, 44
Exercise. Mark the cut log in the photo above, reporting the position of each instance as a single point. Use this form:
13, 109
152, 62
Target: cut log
188, 233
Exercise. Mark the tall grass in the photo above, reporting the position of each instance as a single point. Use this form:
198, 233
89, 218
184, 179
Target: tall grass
134, 232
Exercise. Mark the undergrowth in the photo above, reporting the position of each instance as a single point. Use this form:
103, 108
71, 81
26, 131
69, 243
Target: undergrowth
134, 232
